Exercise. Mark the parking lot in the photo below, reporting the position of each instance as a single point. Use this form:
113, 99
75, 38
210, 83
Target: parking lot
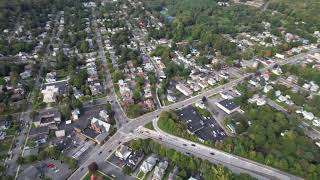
55, 170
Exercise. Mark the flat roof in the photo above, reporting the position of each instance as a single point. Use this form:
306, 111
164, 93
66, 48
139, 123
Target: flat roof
39, 130
189, 116
228, 104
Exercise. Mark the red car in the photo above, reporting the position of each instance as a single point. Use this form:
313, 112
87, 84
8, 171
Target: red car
50, 165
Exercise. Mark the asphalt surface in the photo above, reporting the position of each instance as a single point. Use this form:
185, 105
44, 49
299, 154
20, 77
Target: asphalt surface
234, 163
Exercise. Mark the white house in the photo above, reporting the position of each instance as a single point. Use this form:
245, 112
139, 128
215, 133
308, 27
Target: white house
148, 164
123, 152
171, 98
75, 114
160, 170
307, 115
316, 122
50, 94
183, 89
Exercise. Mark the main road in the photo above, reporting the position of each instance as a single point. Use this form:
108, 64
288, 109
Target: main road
235, 163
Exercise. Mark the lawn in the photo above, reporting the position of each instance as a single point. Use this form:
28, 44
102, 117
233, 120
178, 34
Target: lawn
5, 146
149, 126
99, 174
140, 175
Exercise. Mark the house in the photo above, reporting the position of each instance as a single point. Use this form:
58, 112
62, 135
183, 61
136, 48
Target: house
160, 170
75, 114
316, 122
260, 101
174, 173
97, 130
267, 88
26, 74
228, 106
95, 88
51, 77
134, 159
2, 135
200, 105
171, 98
39, 135
77, 94
280, 56
148, 164
60, 133
4, 124
212, 81
30, 151
183, 89
314, 87
149, 104
48, 117
99, 126
307, 115
104, 114
123, 152
277, 93
282, 98
50, 94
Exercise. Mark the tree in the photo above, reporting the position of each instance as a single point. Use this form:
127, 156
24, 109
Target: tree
126, 170
152, 78
84, 46
21, 160
136, 95
116, 76
93, 168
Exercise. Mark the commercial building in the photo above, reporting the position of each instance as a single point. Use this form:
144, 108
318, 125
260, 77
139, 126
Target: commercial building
228, 106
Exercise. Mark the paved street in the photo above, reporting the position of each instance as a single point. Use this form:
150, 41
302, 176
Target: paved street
234, 163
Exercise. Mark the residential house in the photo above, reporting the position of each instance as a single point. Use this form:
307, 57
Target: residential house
39, 135
75, 114
183, 89
148, 164
123, 152
50, 94
160, 170
48, 117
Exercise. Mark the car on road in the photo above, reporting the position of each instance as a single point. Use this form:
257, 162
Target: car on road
184, 145
193, 145
100, 152
212, 153
81, 169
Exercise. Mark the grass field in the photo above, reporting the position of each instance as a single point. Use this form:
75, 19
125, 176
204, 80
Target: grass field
99, 174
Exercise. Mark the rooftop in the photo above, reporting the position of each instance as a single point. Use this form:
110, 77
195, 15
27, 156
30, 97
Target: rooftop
228, 104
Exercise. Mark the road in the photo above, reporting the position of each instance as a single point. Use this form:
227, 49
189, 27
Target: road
120, 115
236, 164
